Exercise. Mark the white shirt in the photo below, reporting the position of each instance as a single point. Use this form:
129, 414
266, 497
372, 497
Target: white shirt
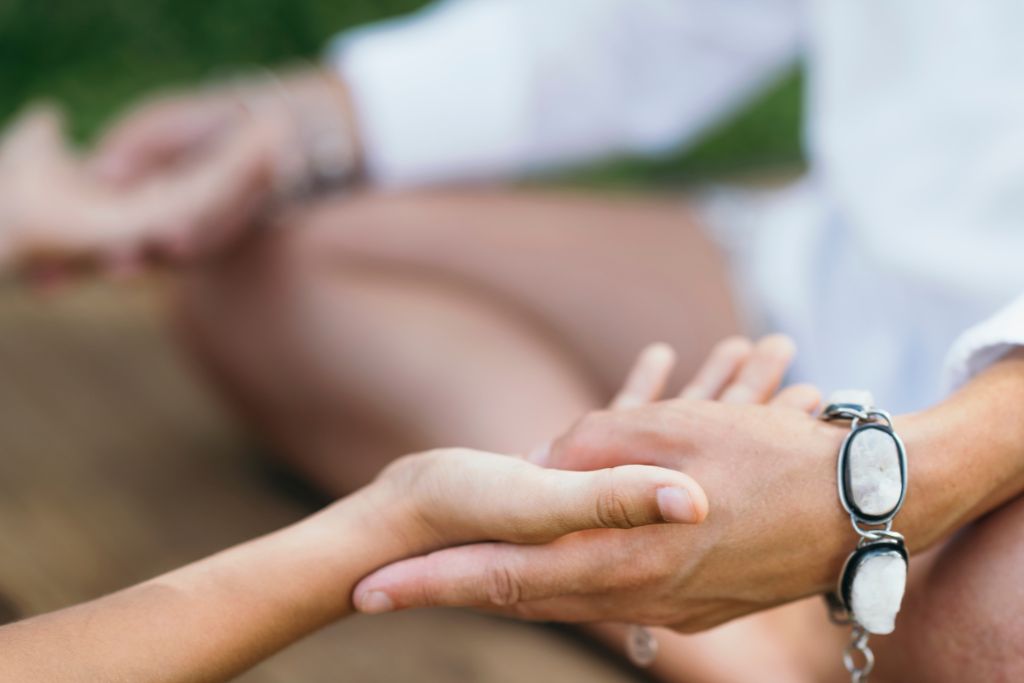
908, 229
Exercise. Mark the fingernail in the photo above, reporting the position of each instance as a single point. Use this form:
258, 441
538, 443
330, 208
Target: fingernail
676, 506
375, 602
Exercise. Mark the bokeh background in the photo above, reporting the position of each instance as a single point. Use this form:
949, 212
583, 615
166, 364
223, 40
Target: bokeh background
94, 57
116, 462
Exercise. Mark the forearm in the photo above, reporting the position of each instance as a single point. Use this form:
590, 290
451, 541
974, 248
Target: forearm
212, 619
966, 455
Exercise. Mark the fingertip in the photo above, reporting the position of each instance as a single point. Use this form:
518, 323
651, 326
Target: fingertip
734, 345
778, 345
676, 505
646, 380
677, 498
698, 497
658, 353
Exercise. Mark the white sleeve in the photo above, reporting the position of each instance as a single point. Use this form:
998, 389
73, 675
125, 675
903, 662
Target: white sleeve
985, 343
470, 89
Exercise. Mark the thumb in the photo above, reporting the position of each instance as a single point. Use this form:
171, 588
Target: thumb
613, 498
478, 496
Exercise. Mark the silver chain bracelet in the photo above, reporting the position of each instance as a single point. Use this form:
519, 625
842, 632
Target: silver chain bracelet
872, 483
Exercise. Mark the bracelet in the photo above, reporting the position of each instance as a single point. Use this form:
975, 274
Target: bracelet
872, 482
641, 645
319, 155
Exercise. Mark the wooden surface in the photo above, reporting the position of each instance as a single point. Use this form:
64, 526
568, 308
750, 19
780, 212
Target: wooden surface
115, 465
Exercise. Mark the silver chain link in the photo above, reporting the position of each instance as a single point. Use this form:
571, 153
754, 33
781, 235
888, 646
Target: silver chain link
858, 645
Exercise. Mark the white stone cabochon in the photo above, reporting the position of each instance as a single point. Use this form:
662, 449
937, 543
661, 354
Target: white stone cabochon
874, 477
877, 591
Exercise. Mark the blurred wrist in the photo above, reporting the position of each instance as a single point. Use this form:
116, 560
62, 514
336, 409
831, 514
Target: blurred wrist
321, 107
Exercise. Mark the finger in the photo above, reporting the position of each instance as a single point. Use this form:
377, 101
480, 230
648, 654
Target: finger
722, 364
647, 378
605, 438
199, 209
802, 397
158, 133
496, 574
38, 132
645, 383
513, 500
617, 498
763, 371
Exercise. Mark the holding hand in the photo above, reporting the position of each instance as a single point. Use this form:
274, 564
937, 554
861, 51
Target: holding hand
774, 532
179, 178
211, 620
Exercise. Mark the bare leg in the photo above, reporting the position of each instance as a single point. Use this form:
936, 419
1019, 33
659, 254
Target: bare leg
384, 324
963, 619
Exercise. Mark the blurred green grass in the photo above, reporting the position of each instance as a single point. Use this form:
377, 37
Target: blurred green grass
96, 56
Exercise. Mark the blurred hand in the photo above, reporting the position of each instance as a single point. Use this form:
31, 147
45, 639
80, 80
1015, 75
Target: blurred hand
291, 108
774, 532
52, 208
178, 178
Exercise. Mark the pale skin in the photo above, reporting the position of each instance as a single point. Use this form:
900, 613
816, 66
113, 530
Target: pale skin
536, 294
215, 618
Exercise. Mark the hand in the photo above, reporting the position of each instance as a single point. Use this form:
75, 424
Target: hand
53, 209
775, 532
295, 116
180, 178
456, 495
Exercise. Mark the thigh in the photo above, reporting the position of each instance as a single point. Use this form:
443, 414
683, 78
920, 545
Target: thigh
362, 328
602, 275
963, 616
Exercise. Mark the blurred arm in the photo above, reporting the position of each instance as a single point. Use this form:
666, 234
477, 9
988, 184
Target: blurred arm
486, 88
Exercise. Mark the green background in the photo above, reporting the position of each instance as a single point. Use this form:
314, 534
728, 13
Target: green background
96, 56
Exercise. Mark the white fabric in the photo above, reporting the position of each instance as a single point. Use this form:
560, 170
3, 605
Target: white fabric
908, 229
471, 89
985, 343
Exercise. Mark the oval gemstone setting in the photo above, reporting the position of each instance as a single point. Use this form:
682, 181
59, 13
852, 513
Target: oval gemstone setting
872, 585
873, 471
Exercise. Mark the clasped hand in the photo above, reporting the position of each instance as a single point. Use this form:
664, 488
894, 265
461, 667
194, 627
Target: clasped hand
773, 533
178, 178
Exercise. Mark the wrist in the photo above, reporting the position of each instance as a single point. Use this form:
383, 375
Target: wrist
966, 454
372, 524
321, 107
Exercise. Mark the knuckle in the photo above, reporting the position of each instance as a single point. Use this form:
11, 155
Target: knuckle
502, 586
614, 509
